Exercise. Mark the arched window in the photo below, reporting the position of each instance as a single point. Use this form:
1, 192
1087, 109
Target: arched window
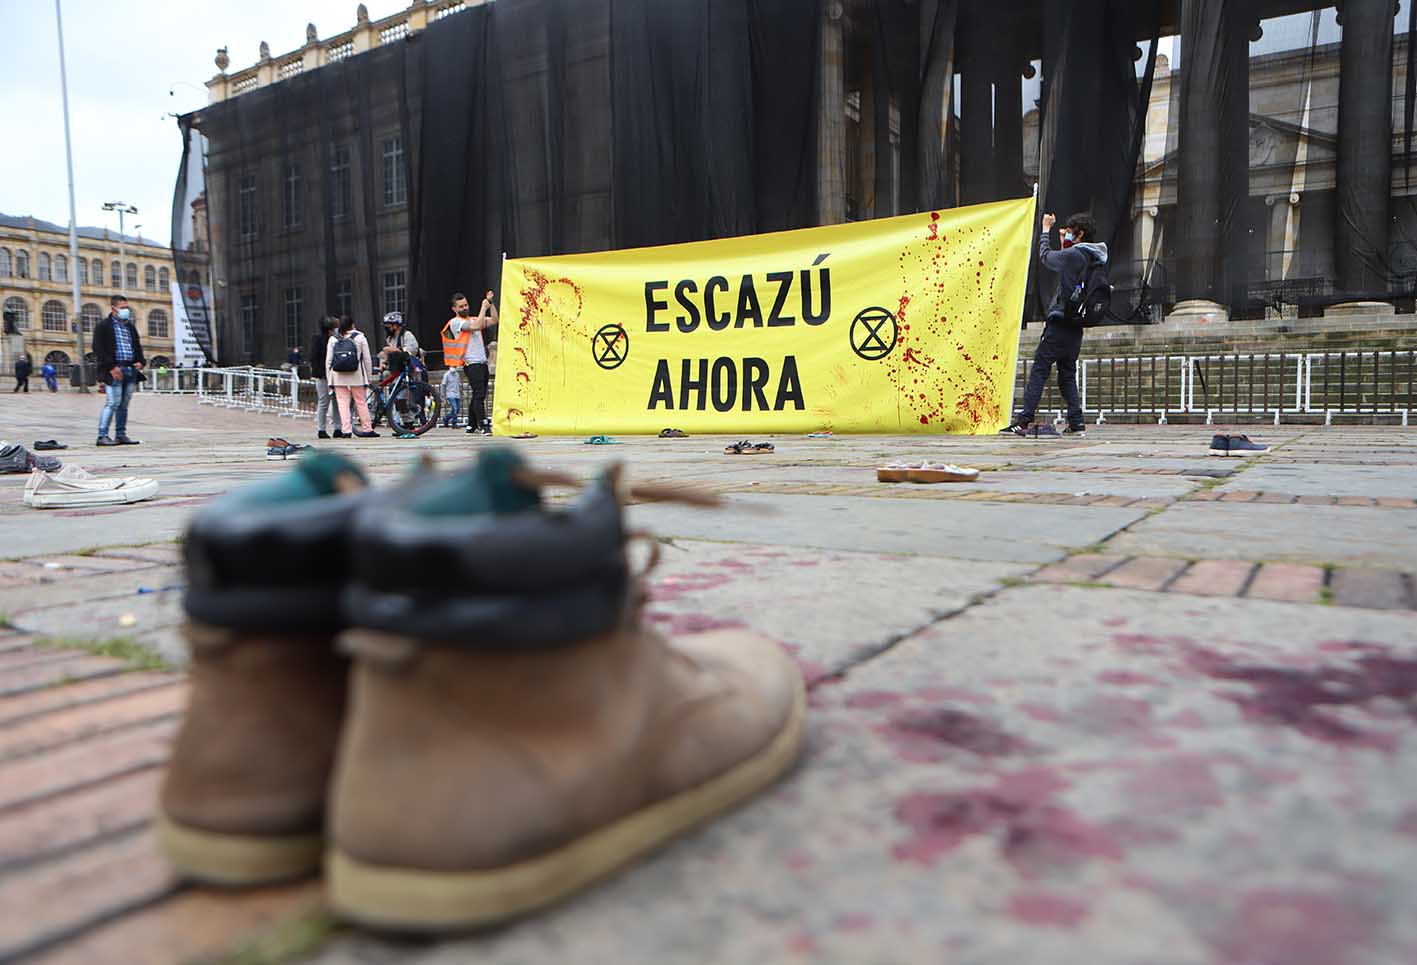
157, 323
132, 276
60, 361
83, 264
150, 278
164, 280
21, 311
115, 275
54, 317
160, 361
89, 316
6, 266
61, 267
97, 273
22, 264
44, 273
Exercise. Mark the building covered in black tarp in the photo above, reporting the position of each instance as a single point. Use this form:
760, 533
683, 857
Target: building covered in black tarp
1242, 156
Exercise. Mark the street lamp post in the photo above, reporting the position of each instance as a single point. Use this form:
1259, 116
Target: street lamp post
73, 211
122, 209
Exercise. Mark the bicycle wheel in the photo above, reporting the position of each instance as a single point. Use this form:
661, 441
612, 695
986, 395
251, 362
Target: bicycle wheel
414, 408
375, 400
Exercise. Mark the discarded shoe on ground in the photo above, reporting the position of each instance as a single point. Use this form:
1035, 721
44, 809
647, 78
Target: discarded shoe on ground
46, 445
1225, 445
15, 458
746, 448
286, 451
72, 487
673, 434
602, 441
925, 472
243, 800
522, 732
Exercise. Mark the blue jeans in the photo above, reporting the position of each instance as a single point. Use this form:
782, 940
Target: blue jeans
450, 417
118, 395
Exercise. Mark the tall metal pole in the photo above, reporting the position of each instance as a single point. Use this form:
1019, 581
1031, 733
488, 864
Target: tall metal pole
73, 209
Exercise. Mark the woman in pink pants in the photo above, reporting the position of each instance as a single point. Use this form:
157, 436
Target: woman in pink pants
349, 367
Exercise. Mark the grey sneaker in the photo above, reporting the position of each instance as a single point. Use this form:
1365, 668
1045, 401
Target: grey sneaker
16, 458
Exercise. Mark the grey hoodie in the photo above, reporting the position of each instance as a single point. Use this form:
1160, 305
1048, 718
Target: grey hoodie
1071, 264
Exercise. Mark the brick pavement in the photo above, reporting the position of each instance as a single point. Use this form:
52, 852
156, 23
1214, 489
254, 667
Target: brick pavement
1032, 741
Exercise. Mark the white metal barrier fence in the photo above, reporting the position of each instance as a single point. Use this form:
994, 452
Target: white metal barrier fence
1328, 384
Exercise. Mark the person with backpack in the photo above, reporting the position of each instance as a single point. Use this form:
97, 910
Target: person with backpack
324, 399
349, 367
1081, 267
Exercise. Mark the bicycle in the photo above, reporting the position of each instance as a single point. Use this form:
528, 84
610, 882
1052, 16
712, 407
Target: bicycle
411, 404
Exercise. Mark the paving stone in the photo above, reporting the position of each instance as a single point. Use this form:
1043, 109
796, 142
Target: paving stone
72, 667
99, 758
87, 887
58, 825
65, 726
1287, 581
1080, 568
1374, 589
1145, 573
196, 925
1214, 578
95, 562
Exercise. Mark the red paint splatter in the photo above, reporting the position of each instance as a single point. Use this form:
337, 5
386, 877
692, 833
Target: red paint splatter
873, 699
523, 377
1297, 928
927, 737
1048, 908
1032, 831
934, 234
1179, 783
1125, 678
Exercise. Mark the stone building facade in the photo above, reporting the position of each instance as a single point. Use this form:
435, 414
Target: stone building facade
36, 289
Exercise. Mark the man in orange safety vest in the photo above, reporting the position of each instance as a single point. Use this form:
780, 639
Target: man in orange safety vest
463, 346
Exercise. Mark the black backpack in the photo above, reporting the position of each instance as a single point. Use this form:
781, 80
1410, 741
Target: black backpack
1092, 299
345, 357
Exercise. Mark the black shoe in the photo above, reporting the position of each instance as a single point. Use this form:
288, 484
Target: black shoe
105, 441
322, 434
125, 441
1078, 430
1044, 430
371, 434
1240, 445
1219, 445
1015, 428
340, 435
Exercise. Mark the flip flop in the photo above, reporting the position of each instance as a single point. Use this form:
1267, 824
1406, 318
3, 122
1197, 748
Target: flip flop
673, 434
820, 435
524, 435
46, 444
925, 472
602, 441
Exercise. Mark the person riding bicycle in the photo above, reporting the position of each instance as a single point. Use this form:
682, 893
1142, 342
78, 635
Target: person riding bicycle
399, 344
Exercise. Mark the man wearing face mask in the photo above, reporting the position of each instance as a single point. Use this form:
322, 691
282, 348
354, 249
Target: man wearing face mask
120, 369
463, 346
1062, 334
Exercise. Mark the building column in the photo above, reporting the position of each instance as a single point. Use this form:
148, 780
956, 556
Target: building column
1213, 180
1281, 244
1008, 130
831, 131
976, 172
1364, 170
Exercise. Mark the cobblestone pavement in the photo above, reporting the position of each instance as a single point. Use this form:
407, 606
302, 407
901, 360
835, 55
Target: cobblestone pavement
1117, 701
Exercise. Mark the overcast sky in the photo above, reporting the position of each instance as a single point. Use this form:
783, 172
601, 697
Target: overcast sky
123, 58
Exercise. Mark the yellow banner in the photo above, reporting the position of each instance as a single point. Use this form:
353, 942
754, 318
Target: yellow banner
905, 324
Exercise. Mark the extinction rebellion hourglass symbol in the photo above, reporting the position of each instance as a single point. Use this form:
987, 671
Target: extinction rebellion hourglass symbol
873, 333
610, 346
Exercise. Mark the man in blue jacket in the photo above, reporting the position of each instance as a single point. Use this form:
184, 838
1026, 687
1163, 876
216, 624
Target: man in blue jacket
1062, 334
120, 361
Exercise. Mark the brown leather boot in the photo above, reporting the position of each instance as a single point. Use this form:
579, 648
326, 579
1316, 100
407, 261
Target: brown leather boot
243, 800
523, 733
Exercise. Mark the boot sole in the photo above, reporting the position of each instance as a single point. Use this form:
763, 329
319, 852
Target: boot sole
429, 901
238, 860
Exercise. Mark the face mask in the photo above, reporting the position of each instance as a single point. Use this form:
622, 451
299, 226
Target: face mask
1067, 239
464, 312
124, 314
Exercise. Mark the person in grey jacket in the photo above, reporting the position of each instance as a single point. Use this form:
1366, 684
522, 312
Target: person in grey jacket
1062, 333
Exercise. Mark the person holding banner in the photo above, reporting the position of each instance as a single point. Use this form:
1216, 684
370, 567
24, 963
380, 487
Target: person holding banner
1062, 333
463, 347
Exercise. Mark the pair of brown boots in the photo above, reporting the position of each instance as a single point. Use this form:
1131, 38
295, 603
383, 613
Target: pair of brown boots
505, 729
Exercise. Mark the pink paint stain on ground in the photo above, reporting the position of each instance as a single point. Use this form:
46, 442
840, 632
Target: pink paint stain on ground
873, 699
855, 921
1048, 909
931, 736
1295, 927
1032, 831
674, 624
1125, 678
1180, 783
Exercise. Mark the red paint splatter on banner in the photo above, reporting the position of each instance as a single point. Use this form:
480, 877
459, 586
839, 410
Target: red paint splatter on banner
523, 377
522, 352
934, 234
